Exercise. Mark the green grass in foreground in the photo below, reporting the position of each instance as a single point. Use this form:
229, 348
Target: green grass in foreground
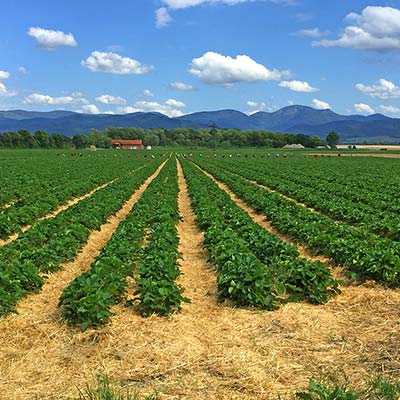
377, 389
104, 390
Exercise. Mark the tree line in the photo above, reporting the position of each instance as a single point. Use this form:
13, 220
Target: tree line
211, 138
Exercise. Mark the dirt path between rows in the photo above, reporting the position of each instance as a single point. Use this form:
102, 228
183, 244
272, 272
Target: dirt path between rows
207, 351
8, 205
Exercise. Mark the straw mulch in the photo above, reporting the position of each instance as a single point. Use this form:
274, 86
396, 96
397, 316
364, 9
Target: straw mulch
208, 351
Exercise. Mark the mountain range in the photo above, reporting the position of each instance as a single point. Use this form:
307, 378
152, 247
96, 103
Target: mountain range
291, 119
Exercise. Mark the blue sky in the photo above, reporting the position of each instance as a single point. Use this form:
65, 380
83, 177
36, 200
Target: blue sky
182, 56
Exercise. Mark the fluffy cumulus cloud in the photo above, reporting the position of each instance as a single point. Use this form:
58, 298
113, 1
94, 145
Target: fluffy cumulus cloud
390, 109
23, 70
364, 108
51, 40
321, 105
382, 89
168, 108
43, 99
216, 69
114, 63
108, 99
175, 103
375, 29
163, 18
298, 86
4, 75
181, 86
4, 92
89, 109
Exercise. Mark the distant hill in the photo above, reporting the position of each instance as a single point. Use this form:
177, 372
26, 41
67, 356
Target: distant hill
75, 123
291, 119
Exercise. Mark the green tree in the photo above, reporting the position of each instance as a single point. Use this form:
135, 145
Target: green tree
79, 141
42, 139
57, 140
27, 140
333, 139
151, 140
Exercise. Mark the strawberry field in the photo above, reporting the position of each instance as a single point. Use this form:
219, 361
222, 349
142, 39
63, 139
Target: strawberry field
215, 275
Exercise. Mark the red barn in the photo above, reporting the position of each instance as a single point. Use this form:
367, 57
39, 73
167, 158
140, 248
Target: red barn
127, 144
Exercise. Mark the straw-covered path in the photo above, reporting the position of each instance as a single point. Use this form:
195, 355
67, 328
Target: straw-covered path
208, 350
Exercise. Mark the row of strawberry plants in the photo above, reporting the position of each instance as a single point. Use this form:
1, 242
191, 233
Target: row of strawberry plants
157, 288
52, 242
264, 177
313, 194
256, 268
60, 183
371, 182
364, 254
88, 299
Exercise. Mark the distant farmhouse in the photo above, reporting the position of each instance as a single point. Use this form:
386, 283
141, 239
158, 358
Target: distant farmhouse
127, 144
294, 146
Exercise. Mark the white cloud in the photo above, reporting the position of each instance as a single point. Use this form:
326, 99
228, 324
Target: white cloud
108, 99
147, 93
181, 86
38, 98
127, 110
383, 89
51, 40
257, 107
375, 29
364, 108
298, 86
179, 4
314, 33
321, 105
114, 63
214, 68
252, 104
151, 106
175, 103
390, 109
4, 92
23, 70
4, 75
163, 18
89, 109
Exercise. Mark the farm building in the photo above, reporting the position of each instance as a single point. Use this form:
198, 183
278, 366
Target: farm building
294, 146
127, 144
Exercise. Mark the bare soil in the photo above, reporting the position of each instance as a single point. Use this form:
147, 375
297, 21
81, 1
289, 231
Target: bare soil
208, 351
